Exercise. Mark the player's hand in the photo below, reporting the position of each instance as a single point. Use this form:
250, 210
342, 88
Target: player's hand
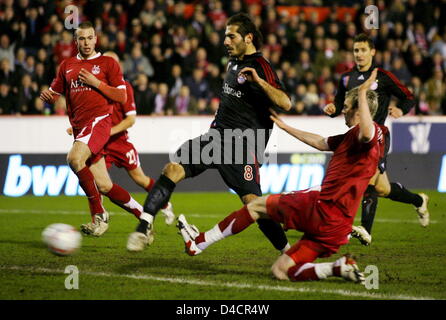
277, 120
370, 81
47, 96
395, 112
70, 131
88, 78
250, 74
329, 109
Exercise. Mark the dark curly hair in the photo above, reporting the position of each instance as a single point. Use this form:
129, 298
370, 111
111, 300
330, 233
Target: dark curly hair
246, 26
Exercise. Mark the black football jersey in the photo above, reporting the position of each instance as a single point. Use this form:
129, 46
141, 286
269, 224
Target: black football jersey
387, 85
245, 105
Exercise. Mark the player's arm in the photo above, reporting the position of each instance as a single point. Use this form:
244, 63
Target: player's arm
277, 96
335, 109
312, 139
126, 123
406, 100
116, 94
366, 126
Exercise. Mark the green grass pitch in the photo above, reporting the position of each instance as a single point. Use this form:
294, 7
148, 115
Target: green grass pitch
410, 259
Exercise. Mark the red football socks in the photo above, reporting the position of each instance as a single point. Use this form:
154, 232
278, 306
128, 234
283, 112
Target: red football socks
86, 181
236, 222
123, 199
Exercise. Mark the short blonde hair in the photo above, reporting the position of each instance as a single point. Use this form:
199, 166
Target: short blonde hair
372, 99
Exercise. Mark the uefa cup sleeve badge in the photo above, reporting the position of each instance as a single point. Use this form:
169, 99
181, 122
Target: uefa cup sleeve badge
95, 69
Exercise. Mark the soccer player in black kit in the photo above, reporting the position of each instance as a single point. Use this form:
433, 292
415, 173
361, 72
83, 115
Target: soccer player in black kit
387, 85
250, 88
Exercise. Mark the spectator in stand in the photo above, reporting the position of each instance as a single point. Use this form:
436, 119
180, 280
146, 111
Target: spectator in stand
121, 44
8, 102
215, 80
7, 49
26, 95
161, 100
201, 107
435, 91
400, 70
175, 81
8, 75
144, 95
201, 61
34, 23
160, 65
40, 76
311, 101
199, 87
183, 102
136, 63
65, 47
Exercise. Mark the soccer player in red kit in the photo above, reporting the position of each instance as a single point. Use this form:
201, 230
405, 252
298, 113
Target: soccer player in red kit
91, 83
122, 153
325, 214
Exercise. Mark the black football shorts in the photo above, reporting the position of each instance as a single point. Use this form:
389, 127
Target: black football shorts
233, 157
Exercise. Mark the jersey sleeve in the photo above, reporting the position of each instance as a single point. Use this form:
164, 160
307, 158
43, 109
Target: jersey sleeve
267, 73
394, 87
114, 75
58, 84
129, 107
334, 141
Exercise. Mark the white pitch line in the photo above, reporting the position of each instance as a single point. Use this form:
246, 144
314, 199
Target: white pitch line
236, 285
193, 215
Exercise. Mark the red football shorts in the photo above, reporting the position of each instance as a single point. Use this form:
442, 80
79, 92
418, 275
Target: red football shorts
95, 134
324, 225
122, 154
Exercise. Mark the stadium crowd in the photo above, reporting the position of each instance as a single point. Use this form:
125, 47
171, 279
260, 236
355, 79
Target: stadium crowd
173, 53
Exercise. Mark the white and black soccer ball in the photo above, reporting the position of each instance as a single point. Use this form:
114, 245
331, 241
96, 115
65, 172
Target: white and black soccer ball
62, 239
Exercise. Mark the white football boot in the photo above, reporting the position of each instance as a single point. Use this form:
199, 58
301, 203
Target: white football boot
360, 233
98, 227
169, 216
189, 233
137, 241
348, 269
423, 212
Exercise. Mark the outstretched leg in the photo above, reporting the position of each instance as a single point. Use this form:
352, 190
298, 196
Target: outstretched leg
270, 228
236, 222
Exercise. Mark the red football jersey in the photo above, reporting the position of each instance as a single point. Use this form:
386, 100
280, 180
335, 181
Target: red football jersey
85, 103
351, 167
120, 111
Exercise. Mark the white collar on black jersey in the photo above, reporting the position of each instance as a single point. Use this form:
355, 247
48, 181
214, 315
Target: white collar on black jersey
97, 55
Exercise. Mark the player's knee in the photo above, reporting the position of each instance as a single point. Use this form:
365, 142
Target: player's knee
75, 162
382, 190
257, 209
174, 171
104, 187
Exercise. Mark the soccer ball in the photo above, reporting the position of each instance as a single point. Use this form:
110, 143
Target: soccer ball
62, 239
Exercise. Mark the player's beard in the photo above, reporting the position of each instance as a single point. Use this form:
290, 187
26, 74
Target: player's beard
239, 50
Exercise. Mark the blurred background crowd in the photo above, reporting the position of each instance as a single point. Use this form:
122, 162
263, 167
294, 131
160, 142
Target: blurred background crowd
172, 51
